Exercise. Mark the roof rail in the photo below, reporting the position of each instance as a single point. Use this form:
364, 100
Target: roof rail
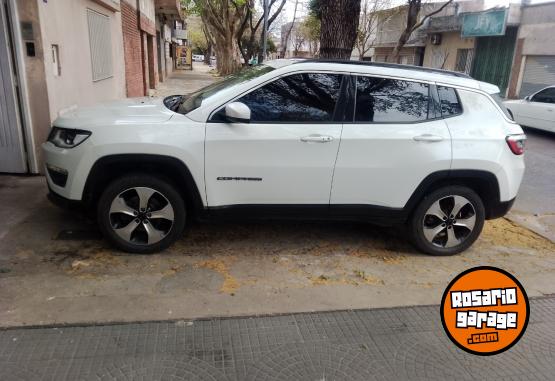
388, 65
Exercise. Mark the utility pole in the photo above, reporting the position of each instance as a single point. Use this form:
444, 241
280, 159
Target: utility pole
265, 31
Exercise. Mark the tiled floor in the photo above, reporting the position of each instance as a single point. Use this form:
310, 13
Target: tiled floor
398, 343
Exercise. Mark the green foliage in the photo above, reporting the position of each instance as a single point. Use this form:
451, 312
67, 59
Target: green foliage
310, 28
315, 9
198, 40
270, 46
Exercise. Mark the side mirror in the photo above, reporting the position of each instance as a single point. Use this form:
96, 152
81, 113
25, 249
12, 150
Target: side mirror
237, 112
527, 98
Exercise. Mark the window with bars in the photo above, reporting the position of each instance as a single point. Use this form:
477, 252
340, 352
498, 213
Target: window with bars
101, 45
463, 63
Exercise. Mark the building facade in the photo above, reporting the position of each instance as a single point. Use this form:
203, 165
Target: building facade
534, 62
510, 46
58, 55
474, 40
390, 25
147, 37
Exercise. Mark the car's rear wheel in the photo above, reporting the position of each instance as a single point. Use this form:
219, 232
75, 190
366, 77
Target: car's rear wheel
141, 214
447, 221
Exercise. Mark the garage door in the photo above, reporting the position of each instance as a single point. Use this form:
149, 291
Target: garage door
12, 156
539, 72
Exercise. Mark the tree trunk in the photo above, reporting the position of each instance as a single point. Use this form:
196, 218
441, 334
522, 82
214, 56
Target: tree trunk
226, 54
338, 32
208, 54
395, 57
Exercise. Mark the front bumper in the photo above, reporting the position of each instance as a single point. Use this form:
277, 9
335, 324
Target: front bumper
73, 163
62, 202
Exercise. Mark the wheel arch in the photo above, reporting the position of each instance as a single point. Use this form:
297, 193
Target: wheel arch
484, 183
108, 168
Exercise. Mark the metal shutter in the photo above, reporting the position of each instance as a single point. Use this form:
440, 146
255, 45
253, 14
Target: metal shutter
101, 45
539, 72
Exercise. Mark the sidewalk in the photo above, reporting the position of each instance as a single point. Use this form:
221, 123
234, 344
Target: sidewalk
185, 81
385, 344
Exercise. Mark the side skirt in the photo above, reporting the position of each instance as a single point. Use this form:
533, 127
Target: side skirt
255, 212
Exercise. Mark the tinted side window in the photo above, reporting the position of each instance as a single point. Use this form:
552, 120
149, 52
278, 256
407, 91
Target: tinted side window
449, 101
296, 98
389, 100
545, 96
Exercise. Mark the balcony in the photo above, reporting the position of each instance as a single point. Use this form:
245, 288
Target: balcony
170, 9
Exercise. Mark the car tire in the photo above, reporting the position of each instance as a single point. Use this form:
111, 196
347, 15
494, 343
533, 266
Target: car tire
141, 214
447, 221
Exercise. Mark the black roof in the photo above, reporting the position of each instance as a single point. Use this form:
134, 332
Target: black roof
389, 65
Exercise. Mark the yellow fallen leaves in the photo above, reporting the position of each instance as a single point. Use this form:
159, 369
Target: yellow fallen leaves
502, 232
230, 284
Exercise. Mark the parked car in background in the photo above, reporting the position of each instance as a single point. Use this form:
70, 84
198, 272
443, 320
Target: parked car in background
536, 110
198, 57
384, 143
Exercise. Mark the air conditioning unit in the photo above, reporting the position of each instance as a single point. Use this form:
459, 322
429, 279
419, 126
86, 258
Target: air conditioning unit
436, 39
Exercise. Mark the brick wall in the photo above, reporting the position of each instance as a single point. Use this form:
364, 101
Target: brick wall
134, 79
152, 61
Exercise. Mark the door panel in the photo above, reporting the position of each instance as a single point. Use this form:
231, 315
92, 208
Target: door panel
287, 152
394, 143
12, 156
269, 164
382, 164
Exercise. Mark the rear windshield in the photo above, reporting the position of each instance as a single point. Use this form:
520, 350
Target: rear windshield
499, 100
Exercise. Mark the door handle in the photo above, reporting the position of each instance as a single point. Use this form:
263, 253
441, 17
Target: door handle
317, 139
428, 138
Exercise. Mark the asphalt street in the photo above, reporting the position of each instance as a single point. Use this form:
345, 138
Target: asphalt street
534, 207
537, 192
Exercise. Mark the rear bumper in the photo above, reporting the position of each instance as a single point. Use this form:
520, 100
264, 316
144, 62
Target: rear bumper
499, 209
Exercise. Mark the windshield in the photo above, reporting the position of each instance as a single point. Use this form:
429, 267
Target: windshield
194, 100
497, 98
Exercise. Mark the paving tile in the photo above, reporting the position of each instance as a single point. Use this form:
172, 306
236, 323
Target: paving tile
378, 344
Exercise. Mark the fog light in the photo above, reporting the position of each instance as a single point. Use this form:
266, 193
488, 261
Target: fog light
57, 174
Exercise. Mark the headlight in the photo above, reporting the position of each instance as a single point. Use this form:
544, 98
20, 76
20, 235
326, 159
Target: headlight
67, 138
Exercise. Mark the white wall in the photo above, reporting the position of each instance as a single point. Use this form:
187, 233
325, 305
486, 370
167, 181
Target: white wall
538, 29
64, 22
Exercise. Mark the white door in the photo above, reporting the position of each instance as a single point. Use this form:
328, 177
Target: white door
286, 154
394, 143
12, 154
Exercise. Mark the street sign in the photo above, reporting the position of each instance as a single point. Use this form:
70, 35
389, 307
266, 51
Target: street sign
488, 23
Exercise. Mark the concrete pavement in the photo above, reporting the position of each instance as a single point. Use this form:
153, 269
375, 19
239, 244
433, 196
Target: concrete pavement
378, 344
55, 269
185, 81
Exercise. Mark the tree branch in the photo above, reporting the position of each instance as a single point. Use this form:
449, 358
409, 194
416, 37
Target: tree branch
421, 22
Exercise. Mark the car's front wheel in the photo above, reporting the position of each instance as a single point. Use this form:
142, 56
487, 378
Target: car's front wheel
141, 214
447, 221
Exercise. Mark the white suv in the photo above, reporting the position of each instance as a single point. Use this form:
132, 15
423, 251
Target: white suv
383, 143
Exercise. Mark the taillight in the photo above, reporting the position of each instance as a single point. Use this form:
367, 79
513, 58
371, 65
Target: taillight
516, 143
